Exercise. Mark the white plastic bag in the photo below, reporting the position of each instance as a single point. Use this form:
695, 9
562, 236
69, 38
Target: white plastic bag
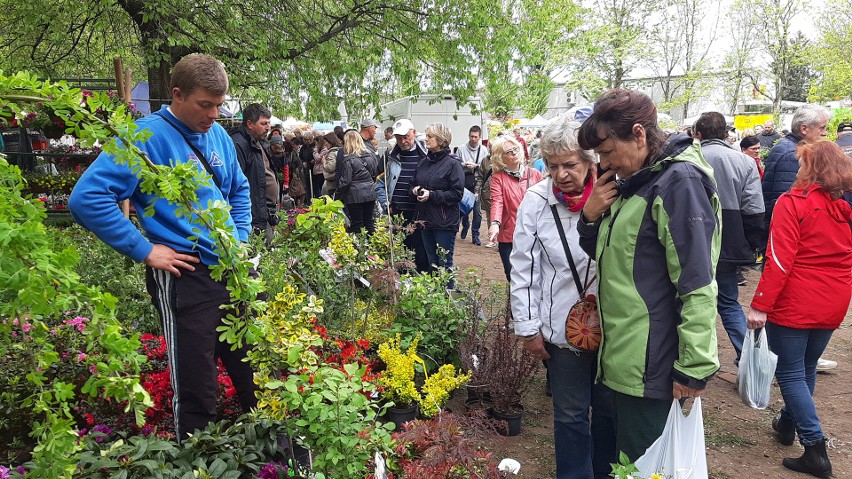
757, 368
679, 452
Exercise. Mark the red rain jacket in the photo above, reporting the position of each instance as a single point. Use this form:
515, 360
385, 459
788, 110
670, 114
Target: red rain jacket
807, 278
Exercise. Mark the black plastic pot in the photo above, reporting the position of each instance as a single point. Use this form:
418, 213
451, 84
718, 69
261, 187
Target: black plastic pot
479, 392
473, 405
510, 422
400, 416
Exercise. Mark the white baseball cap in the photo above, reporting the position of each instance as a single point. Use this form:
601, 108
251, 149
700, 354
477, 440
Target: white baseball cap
402, 127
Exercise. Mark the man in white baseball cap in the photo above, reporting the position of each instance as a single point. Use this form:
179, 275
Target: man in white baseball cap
394, 188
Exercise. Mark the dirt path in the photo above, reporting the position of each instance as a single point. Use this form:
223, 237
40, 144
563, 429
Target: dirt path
740, 440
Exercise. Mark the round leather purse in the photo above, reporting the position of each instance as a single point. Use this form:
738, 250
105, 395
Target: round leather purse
583, 325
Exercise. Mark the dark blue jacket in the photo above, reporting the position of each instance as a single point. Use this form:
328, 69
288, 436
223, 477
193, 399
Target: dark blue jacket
442, 174
781, 168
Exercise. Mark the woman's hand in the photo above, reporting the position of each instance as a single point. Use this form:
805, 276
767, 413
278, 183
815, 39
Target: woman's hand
493, 231
679, 391
423, 195
755, 318
603, 195
535, 346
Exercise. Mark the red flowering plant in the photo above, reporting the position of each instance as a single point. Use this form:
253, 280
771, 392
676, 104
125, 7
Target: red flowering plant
155, 378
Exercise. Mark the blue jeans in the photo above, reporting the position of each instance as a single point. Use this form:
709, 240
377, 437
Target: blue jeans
477, 219
727, 302
584, 448
798, 351
445, 239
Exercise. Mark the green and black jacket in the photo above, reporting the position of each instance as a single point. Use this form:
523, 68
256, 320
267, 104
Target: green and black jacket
656, 252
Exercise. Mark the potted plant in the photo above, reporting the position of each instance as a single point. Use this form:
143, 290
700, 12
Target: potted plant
397, 380
399, 387
511, 367
473, 351
449, 446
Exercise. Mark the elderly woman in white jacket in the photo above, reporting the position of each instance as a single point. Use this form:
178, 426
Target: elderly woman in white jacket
543, 290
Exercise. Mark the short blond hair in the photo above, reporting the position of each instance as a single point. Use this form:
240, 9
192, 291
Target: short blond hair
441, 133
198, 70
497, 150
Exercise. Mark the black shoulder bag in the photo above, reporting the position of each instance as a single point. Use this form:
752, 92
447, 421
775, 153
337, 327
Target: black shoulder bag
582, 325
195, 150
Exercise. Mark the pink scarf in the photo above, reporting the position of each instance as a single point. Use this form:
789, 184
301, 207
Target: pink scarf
575, 203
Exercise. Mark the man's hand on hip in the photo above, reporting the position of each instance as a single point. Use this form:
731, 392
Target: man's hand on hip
164, 258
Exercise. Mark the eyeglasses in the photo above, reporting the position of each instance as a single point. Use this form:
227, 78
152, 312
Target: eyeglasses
512, 151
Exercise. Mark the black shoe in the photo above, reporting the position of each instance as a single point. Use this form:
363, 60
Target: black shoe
464, 231
476, 240
814, 461
786, 430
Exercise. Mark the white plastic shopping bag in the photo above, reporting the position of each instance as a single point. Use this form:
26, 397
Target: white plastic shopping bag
679, 452
757, 367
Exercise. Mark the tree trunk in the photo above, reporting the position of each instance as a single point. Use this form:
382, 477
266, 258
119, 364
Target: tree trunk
159, 79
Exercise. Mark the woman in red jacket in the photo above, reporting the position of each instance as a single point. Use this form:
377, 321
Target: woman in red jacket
509, 182
805, 290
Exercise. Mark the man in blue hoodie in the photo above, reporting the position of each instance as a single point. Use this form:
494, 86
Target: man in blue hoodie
177, 268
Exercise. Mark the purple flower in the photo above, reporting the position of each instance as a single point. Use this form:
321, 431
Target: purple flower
4, 472
102, 429
21, 470
272, 470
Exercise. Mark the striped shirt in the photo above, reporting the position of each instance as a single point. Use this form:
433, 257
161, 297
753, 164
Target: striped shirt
402, 199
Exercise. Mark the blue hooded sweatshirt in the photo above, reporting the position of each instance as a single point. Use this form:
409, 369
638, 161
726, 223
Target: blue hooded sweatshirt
94, 201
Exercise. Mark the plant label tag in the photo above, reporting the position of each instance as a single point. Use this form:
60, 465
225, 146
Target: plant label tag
380, 466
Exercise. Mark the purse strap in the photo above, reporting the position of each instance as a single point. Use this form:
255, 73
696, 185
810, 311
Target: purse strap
580, 288
195, 150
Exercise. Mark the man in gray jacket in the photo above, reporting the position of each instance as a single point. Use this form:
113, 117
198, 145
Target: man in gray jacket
738, 184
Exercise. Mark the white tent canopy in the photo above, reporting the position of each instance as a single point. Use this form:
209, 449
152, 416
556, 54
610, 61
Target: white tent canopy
537, 122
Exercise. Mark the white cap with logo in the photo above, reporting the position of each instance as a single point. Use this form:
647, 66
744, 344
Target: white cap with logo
402, 127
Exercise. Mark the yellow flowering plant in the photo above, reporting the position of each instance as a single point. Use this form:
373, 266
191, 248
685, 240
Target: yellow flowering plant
398, 379
437, 388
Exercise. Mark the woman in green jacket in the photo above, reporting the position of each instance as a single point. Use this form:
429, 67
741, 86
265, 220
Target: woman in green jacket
655, 234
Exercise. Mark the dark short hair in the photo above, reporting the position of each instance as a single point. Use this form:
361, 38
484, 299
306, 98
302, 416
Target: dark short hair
254, 112
475, 129
333, 139
198, 70
711, 126
615, 113
389, 130
749, 141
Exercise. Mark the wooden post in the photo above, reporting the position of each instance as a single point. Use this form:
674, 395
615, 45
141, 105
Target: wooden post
119, 76
128, 85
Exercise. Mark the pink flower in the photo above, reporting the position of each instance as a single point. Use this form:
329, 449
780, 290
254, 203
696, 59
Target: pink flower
27, 328
79, 322
81, 357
